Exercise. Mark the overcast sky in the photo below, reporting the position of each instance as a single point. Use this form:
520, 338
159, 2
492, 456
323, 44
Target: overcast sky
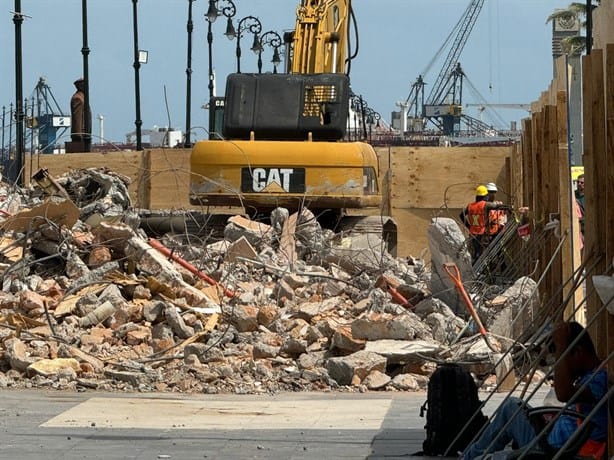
507, 57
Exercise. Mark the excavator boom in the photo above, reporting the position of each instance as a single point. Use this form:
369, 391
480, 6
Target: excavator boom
320, 36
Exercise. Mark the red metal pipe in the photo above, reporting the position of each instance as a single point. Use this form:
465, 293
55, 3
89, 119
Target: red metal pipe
456, 278
188, 266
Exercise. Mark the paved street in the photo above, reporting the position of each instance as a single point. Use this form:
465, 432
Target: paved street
57, 425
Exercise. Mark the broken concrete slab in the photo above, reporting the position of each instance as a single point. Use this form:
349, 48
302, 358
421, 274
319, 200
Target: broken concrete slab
447, 244
401, 351
48, 367
345, 369
376, 326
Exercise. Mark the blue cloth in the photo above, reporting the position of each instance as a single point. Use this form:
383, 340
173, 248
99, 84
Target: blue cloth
566, 425
519, 430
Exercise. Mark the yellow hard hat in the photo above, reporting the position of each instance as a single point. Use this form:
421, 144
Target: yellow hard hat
481, 191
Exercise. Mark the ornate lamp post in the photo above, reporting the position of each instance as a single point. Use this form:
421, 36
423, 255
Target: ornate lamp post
228, 10
358, 107
188, 72
15, 166
272, 39
373, 118
85, 51
251, 24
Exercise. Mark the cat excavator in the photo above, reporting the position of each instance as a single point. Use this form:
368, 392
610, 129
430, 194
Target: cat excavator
282, 142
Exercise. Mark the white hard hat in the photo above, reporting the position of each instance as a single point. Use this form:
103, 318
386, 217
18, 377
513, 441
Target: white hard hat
491, 187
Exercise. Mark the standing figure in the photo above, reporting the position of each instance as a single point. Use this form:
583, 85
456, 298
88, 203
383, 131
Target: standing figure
81, 119
497, 218
579, 193
476, 218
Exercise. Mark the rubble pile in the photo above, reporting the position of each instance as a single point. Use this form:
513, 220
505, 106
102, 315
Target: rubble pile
90, 301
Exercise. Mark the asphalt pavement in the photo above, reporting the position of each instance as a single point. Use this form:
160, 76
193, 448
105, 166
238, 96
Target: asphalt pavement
37, 424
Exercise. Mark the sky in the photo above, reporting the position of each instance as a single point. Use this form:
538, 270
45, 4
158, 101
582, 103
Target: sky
507, 58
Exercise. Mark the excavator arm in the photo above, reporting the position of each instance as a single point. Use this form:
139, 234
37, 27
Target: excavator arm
320, 36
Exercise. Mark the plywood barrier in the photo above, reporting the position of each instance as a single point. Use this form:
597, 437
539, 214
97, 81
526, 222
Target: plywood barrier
126, 162
425, 182
545, 184
422, 182
160, 177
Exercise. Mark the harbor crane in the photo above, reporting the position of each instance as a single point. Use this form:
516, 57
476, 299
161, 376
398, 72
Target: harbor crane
443, 106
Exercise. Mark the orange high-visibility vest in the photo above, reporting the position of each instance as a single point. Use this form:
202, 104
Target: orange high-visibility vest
476, 216
496, 217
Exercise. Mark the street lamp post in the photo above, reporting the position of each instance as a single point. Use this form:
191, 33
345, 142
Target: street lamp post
85, 51
373, 118
355, 104
188, 71
137, 85
14, 167
254, 26
228, 10
272, 39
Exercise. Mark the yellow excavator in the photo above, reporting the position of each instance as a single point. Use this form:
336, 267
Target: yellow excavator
282, 142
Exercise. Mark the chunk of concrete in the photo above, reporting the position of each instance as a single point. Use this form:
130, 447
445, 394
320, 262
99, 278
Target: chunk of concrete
343, 369
447, 244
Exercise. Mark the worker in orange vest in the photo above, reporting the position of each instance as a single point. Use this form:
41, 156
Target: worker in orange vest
476, 218
497, 218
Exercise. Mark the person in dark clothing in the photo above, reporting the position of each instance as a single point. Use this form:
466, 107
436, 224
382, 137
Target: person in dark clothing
81, 119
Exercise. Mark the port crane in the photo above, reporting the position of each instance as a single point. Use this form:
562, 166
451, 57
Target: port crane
49, 120
443, 105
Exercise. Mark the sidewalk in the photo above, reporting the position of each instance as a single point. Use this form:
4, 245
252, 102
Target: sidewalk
66, 426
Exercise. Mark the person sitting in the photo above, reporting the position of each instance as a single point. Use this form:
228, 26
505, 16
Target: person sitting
578, 366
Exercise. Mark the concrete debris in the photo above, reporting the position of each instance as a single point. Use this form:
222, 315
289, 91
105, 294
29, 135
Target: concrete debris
89, 300
507, 314
447, 244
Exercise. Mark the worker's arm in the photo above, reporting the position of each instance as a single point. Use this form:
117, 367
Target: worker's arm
492, 205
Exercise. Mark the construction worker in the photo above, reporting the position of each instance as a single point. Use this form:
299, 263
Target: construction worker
579, 194
497, 218
476, 217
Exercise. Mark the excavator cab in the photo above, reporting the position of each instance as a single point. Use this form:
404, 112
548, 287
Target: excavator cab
216, 117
